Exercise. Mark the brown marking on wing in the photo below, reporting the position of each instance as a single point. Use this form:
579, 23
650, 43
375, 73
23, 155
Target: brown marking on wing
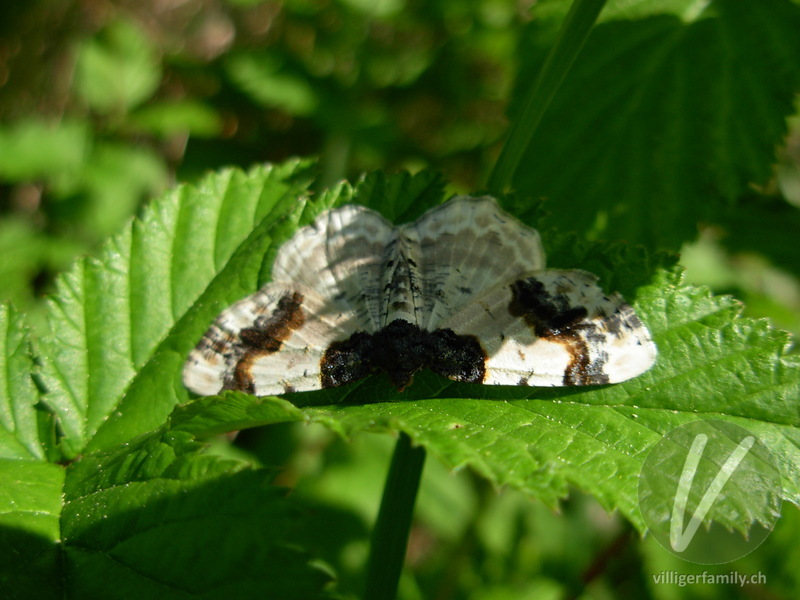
266, 338
552, 318
580, 370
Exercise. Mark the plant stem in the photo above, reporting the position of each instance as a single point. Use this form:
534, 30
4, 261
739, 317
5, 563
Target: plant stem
390, 536
576, 28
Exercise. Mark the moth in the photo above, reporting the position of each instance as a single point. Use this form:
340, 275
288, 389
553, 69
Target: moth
462, 291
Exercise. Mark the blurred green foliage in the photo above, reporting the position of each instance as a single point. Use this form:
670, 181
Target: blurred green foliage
103, 105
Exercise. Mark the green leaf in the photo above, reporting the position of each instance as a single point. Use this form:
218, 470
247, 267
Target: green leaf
377, 10
764, 226
574, 31
208, 416
403, 197
30, 507
117, 69
112, 360
175, 118
265, 79
117, 178
24, 250
30, 489
154, 517
662, 117
226, 527
33, 148
18, 396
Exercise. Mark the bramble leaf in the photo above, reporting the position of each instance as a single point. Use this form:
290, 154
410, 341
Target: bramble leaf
19, 437
664, 118
111, 363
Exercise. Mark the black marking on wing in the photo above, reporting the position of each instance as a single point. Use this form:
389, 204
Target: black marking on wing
546, 314
400, 350
552, 317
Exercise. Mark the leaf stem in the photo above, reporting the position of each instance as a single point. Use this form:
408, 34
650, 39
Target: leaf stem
390, 536
574, 32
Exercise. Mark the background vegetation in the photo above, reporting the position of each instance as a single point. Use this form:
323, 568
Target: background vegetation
675, 130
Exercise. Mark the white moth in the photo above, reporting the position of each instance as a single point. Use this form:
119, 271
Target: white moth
462, 291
